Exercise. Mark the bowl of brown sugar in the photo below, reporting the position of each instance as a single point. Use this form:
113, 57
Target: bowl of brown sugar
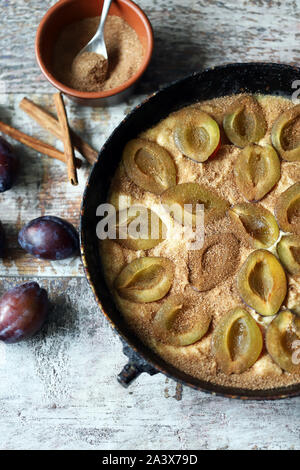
66, 29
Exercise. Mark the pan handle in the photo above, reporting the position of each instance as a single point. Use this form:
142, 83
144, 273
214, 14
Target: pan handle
135, 367
131, 372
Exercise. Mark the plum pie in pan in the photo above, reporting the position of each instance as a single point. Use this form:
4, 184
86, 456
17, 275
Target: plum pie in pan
228, 312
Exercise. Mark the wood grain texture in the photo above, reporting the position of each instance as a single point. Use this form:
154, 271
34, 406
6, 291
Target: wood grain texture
59, 390
42, 186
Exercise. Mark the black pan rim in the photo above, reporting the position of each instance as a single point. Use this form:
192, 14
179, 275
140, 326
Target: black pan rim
207, 387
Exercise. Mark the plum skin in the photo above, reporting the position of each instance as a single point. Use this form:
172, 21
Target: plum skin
23, 310
50, 238
8, 165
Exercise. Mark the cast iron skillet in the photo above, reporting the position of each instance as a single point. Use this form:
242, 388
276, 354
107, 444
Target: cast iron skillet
229, 79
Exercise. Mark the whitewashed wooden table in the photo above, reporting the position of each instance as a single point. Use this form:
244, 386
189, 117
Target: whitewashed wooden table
59, 390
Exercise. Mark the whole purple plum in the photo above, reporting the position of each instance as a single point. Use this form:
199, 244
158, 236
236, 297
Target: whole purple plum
49, 238
8, 165
23, 311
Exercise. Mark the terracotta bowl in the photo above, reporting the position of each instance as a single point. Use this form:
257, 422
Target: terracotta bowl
69, 11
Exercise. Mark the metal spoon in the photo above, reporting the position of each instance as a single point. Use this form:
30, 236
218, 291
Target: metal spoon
97, 44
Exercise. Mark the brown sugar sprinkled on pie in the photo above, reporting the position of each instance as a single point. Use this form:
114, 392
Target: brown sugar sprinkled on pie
204, 293
205, 269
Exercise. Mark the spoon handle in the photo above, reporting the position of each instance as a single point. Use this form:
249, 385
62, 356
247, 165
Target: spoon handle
105, 10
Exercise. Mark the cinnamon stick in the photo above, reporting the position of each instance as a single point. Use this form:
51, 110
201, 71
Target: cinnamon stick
66, 138
34, 143
51, 124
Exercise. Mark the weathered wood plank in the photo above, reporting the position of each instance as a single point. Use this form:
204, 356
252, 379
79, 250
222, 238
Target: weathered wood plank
189, 35
59, 391
42, 187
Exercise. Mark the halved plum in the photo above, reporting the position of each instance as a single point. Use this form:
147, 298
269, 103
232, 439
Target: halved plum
244, 123
145, 279
257, 170
149, 165
165, 324
284, 138
283, 341
255, 224
288, 249
139, 228
215, 262
194, 194
112, 259
196, 134
287, 209
237, 342
262, 283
